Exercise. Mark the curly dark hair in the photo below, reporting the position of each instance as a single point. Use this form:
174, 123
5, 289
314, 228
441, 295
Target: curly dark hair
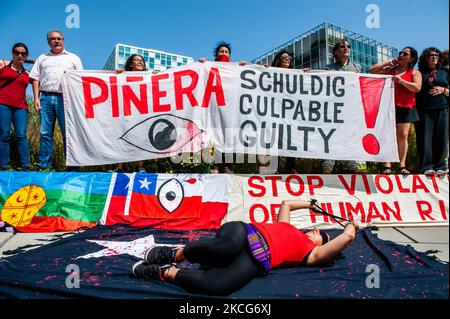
130, 61
445, 58
423, 62
276, 60
219, 45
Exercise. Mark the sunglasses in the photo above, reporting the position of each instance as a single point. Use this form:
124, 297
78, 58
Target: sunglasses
403, 53
345, 46
285, 57
433, 55
20, 53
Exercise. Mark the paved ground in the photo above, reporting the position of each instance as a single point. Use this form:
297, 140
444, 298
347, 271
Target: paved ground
435, 239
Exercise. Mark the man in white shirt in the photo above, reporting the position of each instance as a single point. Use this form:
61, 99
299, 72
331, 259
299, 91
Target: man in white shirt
48, 72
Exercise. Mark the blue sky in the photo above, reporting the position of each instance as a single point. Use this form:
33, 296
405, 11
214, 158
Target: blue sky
193, 27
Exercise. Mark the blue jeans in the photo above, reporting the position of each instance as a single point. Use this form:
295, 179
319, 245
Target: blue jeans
52, 108
19, 118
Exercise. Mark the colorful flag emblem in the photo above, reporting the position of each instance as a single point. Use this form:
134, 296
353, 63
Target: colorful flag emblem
49, 202
182, 201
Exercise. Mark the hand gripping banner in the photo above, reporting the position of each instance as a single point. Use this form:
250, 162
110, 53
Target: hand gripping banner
251, 109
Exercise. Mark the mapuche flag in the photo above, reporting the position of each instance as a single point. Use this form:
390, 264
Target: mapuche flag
180, 201
48, 202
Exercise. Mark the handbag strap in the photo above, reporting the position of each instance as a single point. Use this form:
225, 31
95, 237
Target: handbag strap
11, 80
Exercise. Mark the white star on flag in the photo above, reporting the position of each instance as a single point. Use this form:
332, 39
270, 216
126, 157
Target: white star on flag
135, 248
144, 183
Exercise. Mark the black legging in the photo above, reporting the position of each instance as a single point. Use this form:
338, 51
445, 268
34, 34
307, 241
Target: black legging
232, 266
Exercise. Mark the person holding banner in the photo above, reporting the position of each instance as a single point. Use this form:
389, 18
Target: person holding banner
242, 251
14, 79
48, 72
134, 63
282, 59
432, 104
407, 82
341, 53
222, 53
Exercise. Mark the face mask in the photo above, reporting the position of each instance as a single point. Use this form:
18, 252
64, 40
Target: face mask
223, 58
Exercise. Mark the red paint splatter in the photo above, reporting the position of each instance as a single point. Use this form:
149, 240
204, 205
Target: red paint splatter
191, 181
49, 277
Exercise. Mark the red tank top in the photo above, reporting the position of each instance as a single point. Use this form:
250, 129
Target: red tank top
288, 246
403, 96
14, 93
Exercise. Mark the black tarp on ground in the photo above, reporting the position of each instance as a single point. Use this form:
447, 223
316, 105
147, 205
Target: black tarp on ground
41, 273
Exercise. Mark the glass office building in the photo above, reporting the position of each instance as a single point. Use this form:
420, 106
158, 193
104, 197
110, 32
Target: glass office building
314, 48
154, 59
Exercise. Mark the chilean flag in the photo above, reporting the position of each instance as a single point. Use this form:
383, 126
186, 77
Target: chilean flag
181, 201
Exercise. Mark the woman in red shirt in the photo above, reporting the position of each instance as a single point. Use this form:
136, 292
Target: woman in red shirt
408, 82
14, 80
222, 53
241, 251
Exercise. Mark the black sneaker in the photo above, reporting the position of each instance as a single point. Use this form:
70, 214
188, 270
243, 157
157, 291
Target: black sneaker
141, 269
160, 255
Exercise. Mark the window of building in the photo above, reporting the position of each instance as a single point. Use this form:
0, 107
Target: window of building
322, 36
290, 49
314, 53
315, 64
306, 44
314, 39
298, 47
306, 57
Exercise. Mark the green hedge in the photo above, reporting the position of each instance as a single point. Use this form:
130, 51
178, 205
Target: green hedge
167, 166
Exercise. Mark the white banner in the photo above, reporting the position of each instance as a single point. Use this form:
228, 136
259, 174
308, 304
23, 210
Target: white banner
250, 109
380, 200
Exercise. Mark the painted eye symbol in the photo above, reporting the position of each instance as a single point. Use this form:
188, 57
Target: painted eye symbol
171, 195
166, 134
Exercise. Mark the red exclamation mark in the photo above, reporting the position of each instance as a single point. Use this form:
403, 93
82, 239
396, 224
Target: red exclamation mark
371, 90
